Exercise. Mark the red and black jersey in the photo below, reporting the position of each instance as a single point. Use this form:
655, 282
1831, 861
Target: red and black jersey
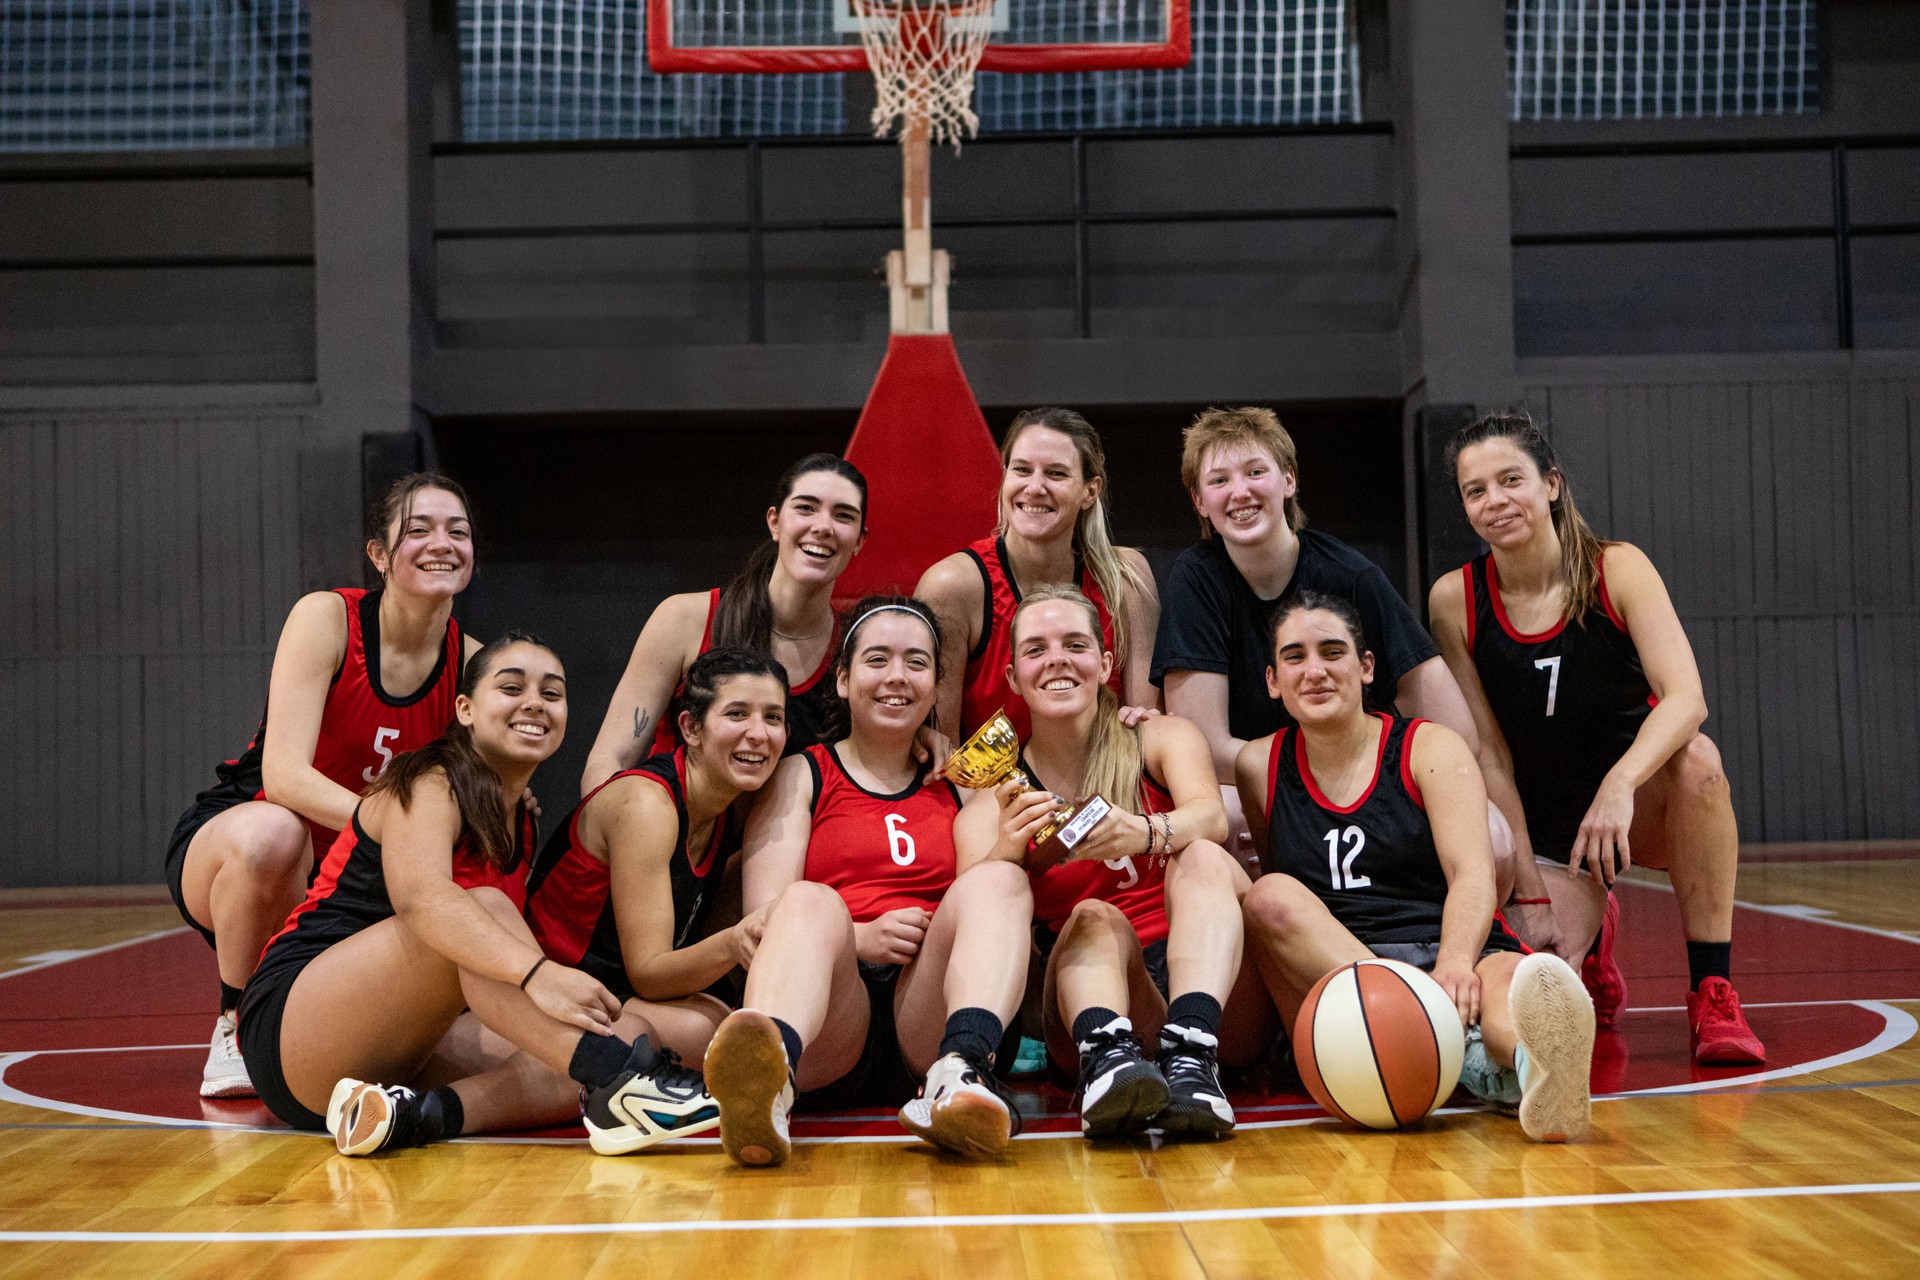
880, 852
1136, 885
1373, 862
349, 893
363, 727
807, 702
985, 689
569, 894
1569, 701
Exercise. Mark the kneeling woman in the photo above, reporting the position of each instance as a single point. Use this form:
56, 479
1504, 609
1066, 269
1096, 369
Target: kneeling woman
1373, 833
414, 918
875, 964
1150, 901
626, 889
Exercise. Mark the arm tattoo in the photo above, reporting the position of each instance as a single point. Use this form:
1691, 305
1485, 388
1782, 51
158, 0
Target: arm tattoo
641, 723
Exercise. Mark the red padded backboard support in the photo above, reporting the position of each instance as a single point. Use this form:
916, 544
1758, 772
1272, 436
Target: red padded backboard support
664, 56
932, 471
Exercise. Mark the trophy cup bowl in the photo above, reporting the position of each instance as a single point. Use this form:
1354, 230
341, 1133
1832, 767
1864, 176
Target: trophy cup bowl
990, 757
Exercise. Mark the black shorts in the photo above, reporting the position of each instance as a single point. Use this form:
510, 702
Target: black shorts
1423, 955
206, 806
881, 1077
1153, 953
262, 1006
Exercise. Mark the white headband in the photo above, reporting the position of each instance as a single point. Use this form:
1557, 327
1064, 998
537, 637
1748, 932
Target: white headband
858, 622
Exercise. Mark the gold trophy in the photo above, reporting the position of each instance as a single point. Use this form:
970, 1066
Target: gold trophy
990, 757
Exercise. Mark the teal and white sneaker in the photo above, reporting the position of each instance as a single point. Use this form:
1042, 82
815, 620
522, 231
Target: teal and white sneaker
1553, 1021
652, 1099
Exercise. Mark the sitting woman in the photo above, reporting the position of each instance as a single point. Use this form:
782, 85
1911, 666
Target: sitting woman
1148, 903
413, 920
875, 964
1373, 834
626, 889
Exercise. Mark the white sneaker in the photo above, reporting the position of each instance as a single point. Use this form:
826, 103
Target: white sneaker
652, 1099
1553, 1021
958, 1110
225, 1075
749, 1076
364, 1118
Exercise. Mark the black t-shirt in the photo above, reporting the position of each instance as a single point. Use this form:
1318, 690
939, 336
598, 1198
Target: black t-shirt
1210, 620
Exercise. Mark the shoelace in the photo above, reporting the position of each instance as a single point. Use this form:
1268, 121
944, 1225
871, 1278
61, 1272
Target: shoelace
1184, 1065
670, 1072
1101, 1052
1722, 1002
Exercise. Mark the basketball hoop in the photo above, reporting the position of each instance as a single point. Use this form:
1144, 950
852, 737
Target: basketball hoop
923, 54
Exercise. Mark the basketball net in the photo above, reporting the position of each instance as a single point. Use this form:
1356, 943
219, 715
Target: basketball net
923, 54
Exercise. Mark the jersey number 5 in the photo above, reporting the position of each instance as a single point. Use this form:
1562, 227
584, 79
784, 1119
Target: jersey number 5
899, 843
385, 752
1552, 667
1340, 870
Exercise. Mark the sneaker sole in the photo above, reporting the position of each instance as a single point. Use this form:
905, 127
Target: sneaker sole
1728, 1053
746, 1069
629, 1138
358, 1116
1553, 1018
229, 1088
967, 1125
1192, 1119
1135, 1097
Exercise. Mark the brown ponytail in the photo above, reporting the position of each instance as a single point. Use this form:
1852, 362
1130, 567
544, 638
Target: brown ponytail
744, 616
1580, 549
475, 786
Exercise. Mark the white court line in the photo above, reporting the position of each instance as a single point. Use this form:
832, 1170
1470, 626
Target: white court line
943, 1222
1900, 1028
48, 959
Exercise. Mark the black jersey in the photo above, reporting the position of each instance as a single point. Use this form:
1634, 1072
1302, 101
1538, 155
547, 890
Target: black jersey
349, 893
810, 704
1569, 702
569, 894
1372, 862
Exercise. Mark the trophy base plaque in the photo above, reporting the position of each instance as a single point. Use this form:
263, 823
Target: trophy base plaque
1056, 843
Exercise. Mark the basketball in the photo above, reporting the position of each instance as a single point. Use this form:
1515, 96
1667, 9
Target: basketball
1378, 1043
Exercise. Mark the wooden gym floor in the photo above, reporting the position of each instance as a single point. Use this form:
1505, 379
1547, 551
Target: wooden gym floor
110, 1164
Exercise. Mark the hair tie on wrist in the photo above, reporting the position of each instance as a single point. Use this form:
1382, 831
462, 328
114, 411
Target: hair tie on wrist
536, 968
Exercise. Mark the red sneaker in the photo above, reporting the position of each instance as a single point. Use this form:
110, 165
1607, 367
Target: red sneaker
1721, 1036
1605, 983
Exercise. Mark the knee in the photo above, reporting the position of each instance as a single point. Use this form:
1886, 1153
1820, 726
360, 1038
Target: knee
1698, 771
1094, 915
813, 905
1203, 864
272, 846
1001, 883
1273, 907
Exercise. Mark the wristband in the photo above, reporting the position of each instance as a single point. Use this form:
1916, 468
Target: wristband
1529, 902
1148, 851
536, 968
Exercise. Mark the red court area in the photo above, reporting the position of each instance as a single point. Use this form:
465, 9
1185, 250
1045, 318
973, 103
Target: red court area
120, 1034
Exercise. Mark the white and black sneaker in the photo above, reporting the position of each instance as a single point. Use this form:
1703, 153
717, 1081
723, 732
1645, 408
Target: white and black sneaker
752, 1081
962, 1109
652, 1099
225, 1075
1120, 1091
364, 1117
1190, 1061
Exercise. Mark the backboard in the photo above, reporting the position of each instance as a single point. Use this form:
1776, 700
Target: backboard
823, 35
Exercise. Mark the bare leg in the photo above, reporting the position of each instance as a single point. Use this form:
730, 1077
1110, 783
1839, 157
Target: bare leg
1205, 934
1295, 940
805, 974
1684, 824
245, 871
1496, 1019
974, 956
1097, 963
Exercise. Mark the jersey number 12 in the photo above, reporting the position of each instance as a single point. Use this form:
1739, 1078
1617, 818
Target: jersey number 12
1340, 869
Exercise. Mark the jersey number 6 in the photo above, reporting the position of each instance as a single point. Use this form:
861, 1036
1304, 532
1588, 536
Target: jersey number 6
1340, 870
899, 843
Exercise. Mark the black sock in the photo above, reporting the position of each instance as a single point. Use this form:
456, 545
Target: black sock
440, 1118
1090, 1021
229, 998
972, 1033
598, 1059
791, 1039
1195, 1010
1709, 960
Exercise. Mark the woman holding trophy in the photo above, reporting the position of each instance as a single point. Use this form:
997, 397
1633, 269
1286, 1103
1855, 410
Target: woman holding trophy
875, 964
1145, 903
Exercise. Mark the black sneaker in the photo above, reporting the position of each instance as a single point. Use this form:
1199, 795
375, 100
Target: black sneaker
1120, 1091
1189, 1059
366, 1118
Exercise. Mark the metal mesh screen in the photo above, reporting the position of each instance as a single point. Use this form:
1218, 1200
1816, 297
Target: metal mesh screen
576, 69
1633, 59
148, 75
